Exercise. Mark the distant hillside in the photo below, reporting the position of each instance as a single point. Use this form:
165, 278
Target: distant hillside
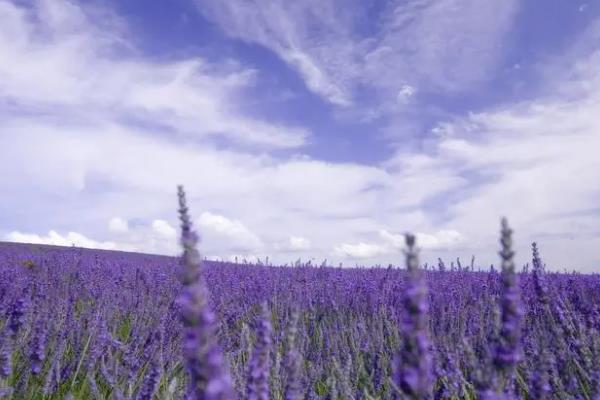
33, 248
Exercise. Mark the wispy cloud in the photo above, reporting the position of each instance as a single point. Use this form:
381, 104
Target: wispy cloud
93, 73
301, 33
448, 45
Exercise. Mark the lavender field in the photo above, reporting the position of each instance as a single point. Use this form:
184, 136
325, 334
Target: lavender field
440, 156
85, 324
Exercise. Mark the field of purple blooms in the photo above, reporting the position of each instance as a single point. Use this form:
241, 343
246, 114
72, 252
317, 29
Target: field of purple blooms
86, 324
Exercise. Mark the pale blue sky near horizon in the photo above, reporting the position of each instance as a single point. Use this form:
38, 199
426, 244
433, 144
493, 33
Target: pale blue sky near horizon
309, 129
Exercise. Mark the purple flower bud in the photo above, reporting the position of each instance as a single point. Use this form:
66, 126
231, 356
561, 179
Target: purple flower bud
16, 319
37, 352
150, 383
257, 386
6, 350
16, 316
539, 386
413, 364
507, 352
293, 363
208, 376
539, 285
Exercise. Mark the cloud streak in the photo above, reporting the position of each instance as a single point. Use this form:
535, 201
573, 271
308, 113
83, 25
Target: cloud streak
437, 46
92, 72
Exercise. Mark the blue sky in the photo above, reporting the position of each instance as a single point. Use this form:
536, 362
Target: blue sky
310, 129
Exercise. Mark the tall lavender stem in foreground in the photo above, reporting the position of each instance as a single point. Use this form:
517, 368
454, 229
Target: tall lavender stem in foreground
413, 364
259, 366
507, 353
208, 377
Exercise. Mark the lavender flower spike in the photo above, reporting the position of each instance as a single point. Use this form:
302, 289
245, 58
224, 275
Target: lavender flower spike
208, 377
259, 366
539, 285
292, 363
37, 353
507, 353
16, 319
414, 364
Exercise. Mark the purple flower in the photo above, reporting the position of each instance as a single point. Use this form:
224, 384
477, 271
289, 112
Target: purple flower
6, 350
16, 319
37, 352
293, 363
413, 364
539, 386
208, 376
539, 284
150, 382
17, 316
507, 352
257, 386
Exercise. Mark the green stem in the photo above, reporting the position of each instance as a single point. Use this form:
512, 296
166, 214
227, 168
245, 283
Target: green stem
87, 344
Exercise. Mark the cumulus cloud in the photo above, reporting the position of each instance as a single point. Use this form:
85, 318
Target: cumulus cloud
237, 234
293, 244
157, 236
392, 243
359, 250
118, 225
56, 239
163, 228
440, 240
299, 243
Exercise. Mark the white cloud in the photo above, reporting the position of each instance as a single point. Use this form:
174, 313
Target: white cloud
163, 228
233, 230
533, 161
405, 93
56, 239
157, 236
447, 45
118, 225
440, 240
526, 172
299, 243
444, 239
285, 27
393, 243
90, 70
359, 250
